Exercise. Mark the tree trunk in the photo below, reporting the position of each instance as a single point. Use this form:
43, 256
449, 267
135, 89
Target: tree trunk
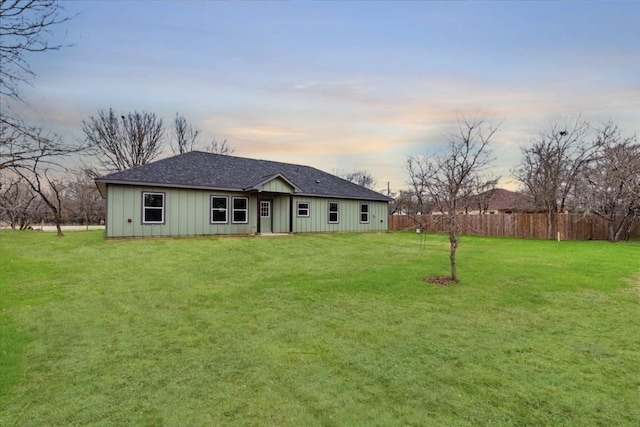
58, 221
453, 241
629, 228
611, 228
621, 229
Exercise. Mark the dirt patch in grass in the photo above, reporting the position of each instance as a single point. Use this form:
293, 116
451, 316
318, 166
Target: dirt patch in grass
440, 281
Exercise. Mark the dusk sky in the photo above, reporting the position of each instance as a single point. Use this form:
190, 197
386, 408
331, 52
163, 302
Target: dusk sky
345, 85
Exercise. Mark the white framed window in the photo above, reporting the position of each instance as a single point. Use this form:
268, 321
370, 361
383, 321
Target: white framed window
334, 213
364, 213
153, 208
219, 209
240, 211
303, 209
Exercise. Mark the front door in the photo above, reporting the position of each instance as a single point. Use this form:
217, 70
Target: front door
265, 216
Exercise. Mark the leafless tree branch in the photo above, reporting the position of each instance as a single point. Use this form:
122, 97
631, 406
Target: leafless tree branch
25, 26
458, 173
550, 167
124, 142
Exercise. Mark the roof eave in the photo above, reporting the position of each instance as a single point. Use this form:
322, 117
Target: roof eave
102, 185
102, 188
104, 182
382, 197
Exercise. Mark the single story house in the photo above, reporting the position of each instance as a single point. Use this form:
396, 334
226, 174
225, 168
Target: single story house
200, 193
498, 201
494, 201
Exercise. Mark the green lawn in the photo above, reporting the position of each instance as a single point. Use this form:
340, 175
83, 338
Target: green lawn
335, 330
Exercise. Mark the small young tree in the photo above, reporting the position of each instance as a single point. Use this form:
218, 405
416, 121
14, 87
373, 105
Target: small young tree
456, 174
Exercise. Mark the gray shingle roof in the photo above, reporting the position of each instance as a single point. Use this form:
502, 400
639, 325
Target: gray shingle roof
198, 169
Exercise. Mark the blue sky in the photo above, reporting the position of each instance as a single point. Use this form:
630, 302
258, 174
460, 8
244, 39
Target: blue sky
346, 85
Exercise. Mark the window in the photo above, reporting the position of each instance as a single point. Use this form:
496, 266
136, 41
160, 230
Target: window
303, 209
240, 210
334, 216
265, 209
219, 209
364, 213
153, 208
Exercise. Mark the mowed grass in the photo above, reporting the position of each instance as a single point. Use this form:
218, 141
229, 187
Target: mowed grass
331, 330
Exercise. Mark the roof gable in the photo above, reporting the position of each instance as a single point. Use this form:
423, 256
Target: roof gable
276, 184
198, 169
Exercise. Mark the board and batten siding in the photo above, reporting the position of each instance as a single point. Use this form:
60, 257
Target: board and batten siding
277, 185
188, 213
279, 213
349, 216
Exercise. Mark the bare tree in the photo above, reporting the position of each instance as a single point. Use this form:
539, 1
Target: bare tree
25, 26
550, 167
456, 175
185, 135
41, 181
220, 147
359, 177
18, 202
186, 139
482, 201
32, 156
28, 149
83, 202
610, 185
22, 144
126, 141
404, 203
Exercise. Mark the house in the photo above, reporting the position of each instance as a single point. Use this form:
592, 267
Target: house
495, 201
200, 193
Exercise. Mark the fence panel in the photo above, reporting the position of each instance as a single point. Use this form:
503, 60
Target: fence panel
522, 225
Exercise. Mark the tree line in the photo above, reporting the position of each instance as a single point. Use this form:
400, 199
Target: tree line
37, 187
571, 166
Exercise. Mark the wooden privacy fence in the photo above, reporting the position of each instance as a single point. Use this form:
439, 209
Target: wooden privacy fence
523, 225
